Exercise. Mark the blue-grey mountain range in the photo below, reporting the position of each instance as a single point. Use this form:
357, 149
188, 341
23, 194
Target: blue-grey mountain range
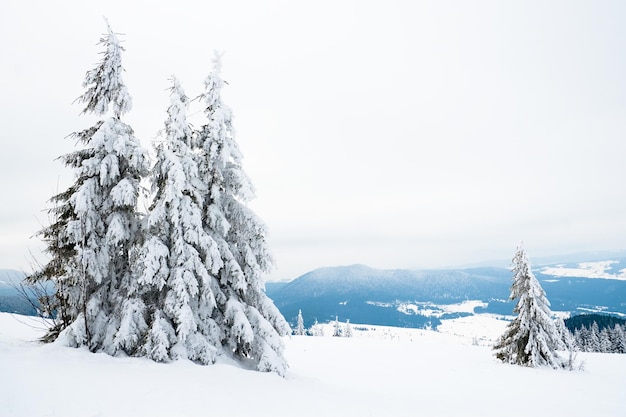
407, 298
11, 300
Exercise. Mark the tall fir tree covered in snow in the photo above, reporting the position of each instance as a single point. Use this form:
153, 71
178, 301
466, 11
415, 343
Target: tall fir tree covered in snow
531, 338
250, 322
177, 264
95, 220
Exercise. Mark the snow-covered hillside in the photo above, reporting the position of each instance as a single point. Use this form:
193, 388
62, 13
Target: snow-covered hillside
597, 269
382, 371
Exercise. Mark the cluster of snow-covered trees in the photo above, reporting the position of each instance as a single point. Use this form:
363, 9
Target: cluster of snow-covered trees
342, 331
316, 329
607, 340
183, 280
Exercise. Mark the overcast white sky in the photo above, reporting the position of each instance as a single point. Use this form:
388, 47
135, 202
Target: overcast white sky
398, 134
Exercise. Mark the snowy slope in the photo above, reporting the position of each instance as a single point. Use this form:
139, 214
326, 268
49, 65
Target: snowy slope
382, 371
598, 269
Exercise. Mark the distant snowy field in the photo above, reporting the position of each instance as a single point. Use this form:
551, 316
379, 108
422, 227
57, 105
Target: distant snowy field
382, 371
598, 269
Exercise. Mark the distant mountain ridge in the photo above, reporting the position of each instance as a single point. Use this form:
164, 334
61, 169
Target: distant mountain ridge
408, 298
569, 259
11, 301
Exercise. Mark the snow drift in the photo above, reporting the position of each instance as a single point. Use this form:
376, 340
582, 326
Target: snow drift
382, 371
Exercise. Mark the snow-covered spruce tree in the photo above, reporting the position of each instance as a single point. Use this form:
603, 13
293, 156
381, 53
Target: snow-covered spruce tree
299, 330
568, 344
594, 338
337, 332
316, 329
347, 329
564, 334
59, 270
95, 218
531, 338
251, 324
618, 339
176, 265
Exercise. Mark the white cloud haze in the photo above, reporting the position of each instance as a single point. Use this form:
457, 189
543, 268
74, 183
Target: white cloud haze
395, 134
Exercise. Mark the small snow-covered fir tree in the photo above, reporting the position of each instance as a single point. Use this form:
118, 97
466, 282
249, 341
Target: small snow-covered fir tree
250, 323
531, 338
563, 332
605, 340
585, 340
347, 330
337, 332
316, 329
299, 330
594, 338
618, 339
96, 219
568, 344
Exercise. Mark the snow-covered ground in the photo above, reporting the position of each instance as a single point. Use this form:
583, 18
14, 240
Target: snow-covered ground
382, 371
438, 310
598, 269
